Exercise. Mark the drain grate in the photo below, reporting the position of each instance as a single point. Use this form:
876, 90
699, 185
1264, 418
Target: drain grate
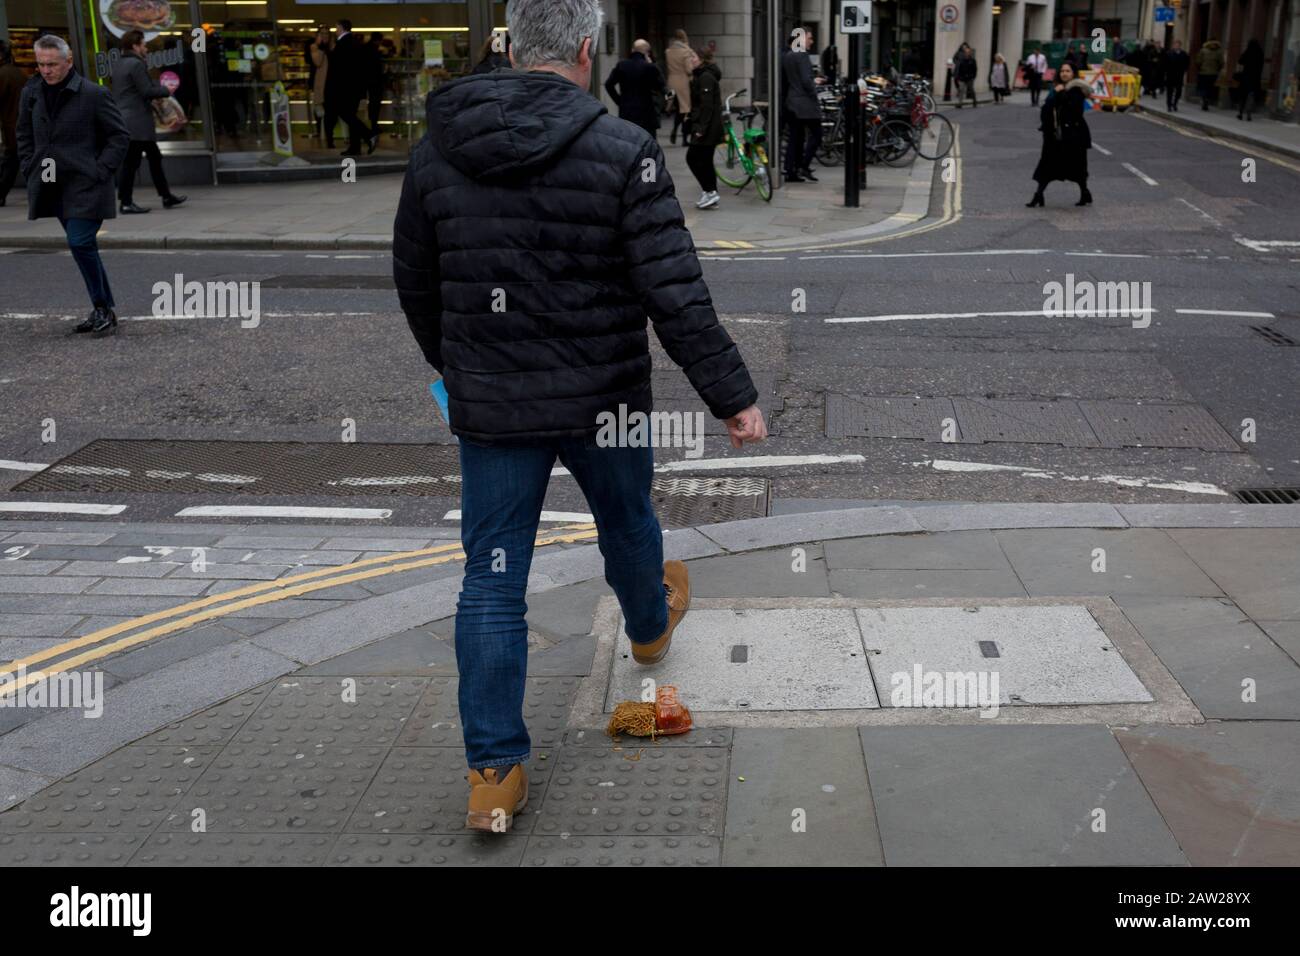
1268, 496
1273, 336
114, 466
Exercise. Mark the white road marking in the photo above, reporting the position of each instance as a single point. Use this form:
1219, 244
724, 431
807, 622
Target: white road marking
1139, 174
753, 461
932, 255
1236, 315
1204, 215
1111, 255
1042, 313
61, 507
1190, 487
1265, 245
22, 465
546, 516
286, 511
1102, 149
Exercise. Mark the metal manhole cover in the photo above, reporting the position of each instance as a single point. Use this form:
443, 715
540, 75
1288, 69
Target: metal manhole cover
868, 416
1130, 424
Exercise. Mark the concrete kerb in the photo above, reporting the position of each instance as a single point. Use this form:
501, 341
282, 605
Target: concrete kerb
51, 747
1239, 139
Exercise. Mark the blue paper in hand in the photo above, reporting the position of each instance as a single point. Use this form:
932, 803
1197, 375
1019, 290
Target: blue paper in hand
439, 392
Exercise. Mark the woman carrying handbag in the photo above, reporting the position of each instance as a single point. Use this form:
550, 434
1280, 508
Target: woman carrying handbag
1066, 137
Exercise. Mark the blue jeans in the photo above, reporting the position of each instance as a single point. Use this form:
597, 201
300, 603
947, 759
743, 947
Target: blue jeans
85, 250
502, 490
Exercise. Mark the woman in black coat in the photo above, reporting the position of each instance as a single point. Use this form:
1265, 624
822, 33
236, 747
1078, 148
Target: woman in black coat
705, 125
1251, 77
1066, 138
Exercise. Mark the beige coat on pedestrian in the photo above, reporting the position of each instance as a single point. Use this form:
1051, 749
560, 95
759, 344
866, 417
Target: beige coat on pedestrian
678, 57
319, 58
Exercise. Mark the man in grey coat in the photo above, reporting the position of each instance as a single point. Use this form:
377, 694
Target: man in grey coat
802, 109
132, 89
71, 140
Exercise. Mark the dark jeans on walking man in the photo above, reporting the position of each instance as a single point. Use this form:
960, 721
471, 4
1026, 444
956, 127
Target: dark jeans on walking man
81, 235
126, 184
801, 147
1035, 86
699, 158
1205, 84
1172, 95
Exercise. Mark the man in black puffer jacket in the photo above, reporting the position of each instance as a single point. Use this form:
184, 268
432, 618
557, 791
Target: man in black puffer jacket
534, 234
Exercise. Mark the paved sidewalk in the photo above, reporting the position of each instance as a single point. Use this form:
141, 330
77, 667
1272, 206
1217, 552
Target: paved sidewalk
1146, 659
1261, 131
323, 214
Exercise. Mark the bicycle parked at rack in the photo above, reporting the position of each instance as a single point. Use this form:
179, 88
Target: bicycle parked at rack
740, 158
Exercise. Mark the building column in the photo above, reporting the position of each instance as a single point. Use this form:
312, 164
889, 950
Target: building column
1011, 34
979, 34
946, 42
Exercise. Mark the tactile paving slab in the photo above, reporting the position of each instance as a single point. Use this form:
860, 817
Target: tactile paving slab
698, 737
605, 792
68, 849
1130, 424
216, 725
988, 420
623, 851
495, 849
745, 660
1041, 655
303, 787
865, 416
132, 790
436, 720
313, 709
426, 789
234, 849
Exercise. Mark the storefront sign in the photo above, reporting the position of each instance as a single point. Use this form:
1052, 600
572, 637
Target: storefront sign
281, 133
1165, 14
149, 16
169, 80
432, 53
173, 55
261, 51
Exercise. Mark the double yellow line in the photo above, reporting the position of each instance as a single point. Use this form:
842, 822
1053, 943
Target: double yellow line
264, 592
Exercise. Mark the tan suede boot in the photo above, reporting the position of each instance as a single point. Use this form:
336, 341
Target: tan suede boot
493, 803
677, 591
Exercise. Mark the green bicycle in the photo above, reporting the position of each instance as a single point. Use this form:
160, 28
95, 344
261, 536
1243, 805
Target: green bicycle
738, 159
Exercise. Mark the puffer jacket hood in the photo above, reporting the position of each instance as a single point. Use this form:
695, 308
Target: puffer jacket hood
507, 123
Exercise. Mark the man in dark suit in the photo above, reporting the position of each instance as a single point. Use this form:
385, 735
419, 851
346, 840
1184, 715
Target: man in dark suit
345, 85
803, 112
12, 81
71, 141
632, 85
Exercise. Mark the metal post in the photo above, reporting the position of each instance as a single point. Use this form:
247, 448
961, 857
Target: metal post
852, 126
774, 49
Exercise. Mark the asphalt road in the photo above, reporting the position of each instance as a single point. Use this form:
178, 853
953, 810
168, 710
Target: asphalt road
952, 313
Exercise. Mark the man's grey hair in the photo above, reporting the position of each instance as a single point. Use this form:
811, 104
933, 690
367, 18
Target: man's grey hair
51, 42
550, 32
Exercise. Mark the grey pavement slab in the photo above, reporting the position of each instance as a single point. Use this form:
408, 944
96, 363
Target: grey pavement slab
607, 851
302, 557
68, 849
49, 585
417, 652
161, 652
131, 790
774, 573
36, 624
267, 541
774, 531
184, 541
1210, 516
148, 586
26, 566
262, 572
900, 585
12, 648
566, 611
339, 592
401, 580
57, 537
234, 849
88, 625
84, 604
301, 711
1037, 655
1230, 791
215, 725
65, 741
288, 608
748, 660
961, 796
1258, 568
961, 517
1137, 561
378, 544
1219, 656
946, 551
102, 569
606, 792
1286, 634
804, 800
363, 849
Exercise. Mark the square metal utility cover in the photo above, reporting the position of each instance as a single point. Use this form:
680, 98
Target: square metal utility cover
752, 659
1054, 654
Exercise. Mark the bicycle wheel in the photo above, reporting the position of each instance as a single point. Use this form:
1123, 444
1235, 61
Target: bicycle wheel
762, 172
927, 102
831, 150
728, 164
934, 138
892, 142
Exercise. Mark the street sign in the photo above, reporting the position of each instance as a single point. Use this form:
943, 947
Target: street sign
1165, 14
948, 16
855, 16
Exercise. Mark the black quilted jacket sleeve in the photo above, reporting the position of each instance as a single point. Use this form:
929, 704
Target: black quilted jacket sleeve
664, 272
415, 270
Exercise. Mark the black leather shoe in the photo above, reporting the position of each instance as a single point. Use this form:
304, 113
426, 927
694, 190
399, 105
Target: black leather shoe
173, 201
89, 323
808, 175
105, 322
130, 207
1038, 200
794, 178
1085, 197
